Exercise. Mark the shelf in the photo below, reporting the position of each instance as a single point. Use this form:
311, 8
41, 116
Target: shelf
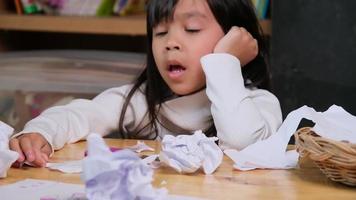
132, 25
68, 71
266, 26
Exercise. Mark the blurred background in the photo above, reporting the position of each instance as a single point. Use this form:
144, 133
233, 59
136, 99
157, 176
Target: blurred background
52, 51
313, 50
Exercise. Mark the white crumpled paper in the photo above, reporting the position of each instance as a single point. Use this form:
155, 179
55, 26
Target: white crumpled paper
187, 153
117, 175
335, 123
7, 157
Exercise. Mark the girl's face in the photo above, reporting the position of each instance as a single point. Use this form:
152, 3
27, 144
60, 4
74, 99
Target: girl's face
178, 45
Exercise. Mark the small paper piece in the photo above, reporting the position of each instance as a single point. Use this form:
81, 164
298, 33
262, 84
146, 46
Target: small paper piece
7, 157
32, 189
117, 175
67, 167
188, 153
271, 153
140, 147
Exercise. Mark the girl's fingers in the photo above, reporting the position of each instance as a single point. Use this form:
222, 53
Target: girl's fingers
45, 158
17, 164
15, 146
46, 149
27, 148
37, 149
32, 147
39, 160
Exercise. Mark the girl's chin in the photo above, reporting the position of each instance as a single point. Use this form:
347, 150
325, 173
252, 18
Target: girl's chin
186, 91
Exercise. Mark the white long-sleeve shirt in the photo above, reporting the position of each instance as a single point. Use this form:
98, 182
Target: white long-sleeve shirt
241, 115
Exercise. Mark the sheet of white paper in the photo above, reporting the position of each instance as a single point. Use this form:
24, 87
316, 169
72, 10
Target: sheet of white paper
68, 167
271, 153
7, 157
32, 189
188, 153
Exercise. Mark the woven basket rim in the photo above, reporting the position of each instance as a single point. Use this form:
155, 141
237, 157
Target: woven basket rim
336, 159
304, 129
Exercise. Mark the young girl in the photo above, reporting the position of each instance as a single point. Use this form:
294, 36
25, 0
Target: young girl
205, 70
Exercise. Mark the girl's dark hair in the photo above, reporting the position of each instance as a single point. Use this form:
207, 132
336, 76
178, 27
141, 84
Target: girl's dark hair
228, 13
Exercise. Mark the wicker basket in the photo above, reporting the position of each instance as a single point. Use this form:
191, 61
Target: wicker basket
337, 160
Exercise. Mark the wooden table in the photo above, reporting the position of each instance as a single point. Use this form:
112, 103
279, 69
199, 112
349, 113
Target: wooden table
304, 183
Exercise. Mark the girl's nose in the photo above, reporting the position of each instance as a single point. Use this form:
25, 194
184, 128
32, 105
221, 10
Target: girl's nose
171, 45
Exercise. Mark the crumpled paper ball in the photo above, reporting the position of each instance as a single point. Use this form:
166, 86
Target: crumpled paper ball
119, 175
7, 157
188, 153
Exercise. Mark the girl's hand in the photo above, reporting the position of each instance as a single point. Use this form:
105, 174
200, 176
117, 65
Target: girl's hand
32, 148
239, 43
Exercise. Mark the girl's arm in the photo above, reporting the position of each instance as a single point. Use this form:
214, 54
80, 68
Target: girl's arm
242, 116
67, 124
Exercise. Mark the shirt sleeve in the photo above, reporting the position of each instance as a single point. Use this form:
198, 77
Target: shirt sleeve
241, 116
75, 121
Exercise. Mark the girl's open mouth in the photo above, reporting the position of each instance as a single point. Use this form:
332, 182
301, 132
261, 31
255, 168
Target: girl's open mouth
176, 68
176, 71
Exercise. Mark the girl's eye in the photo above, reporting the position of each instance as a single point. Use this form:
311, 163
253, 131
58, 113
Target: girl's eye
161, 33
192, 30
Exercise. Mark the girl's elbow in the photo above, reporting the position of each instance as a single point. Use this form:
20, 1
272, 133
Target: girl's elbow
244, 138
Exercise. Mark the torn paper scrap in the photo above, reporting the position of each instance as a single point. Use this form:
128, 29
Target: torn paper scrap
140, 147
117, 175
152, 161
7, 157
188, 153
68, 167
271, 153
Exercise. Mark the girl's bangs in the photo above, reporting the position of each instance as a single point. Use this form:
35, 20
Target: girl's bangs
160, 10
